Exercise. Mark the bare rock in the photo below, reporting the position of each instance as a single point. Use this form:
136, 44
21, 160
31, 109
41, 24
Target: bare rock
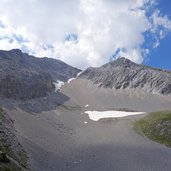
26, 77
125, 74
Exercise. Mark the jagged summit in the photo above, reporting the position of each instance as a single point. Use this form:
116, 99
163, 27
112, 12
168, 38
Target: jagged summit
122, 73
122, 61
12, 50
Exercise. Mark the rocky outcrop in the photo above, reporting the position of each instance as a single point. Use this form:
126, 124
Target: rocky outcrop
124, 74
26, 77
12, 154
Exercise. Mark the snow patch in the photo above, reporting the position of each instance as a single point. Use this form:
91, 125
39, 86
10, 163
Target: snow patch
71, 79
96, 115
87, 105
77, 162
58, 85
79, 74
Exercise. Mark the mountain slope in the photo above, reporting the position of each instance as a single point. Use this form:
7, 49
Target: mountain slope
122, 85
25, 77
124, 74
12, 154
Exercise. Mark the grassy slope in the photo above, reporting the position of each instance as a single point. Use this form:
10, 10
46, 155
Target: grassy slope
156, 126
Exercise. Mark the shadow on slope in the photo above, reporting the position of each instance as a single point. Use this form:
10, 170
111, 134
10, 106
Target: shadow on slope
37, 105
101, 157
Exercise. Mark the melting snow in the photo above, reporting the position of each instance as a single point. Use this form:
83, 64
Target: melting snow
87, 105
58, 85
79, 74
71, 79
76, 162
96, 115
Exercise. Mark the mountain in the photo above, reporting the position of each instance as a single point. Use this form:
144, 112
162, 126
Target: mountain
50, 129
124, 74
25, 77
122, 84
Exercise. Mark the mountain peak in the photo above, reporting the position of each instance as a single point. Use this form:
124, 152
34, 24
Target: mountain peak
16, 50
26, 77
122, 73
122, 61
122, 58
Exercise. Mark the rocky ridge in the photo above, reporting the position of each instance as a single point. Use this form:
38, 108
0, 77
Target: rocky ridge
125, 74
26, 77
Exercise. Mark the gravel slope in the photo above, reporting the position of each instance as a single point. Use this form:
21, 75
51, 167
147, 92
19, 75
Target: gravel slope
110, 99
63, 138
60, 140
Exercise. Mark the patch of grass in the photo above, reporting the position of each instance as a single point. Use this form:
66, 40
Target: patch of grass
156, 126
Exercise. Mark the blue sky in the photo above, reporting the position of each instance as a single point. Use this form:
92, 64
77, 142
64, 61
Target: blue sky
87, 33
160, 57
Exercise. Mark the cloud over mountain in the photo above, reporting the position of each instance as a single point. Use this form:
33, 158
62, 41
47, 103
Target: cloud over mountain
83, 32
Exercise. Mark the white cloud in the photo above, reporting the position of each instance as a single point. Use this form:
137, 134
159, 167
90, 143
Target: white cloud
102, 28
160, 25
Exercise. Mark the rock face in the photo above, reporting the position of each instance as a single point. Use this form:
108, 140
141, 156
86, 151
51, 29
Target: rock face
24, 77
124, 74
10, 145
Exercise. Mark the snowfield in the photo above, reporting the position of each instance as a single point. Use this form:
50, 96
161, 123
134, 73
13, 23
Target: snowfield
58, 85
97, 115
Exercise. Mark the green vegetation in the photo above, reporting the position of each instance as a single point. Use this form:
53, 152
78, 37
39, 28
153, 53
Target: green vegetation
156, 126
